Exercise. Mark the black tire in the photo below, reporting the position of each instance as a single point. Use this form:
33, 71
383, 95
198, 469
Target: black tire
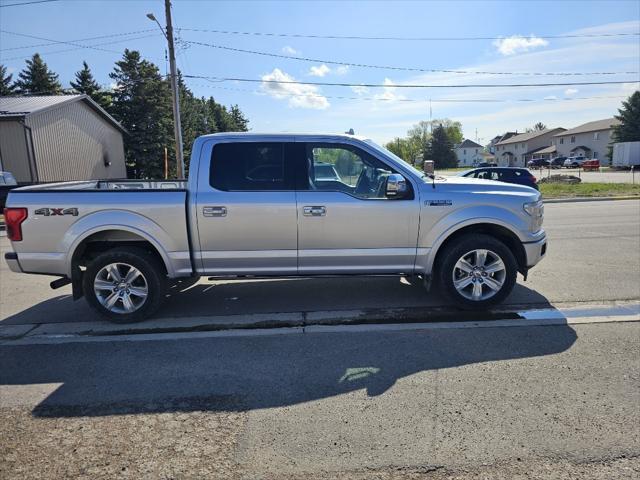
453, 252
153, 273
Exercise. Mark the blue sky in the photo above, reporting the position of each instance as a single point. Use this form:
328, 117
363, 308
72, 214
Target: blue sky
381, 113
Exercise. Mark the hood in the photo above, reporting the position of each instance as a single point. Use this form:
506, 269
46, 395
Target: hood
475, 185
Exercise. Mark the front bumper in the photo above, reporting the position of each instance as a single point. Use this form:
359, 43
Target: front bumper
12, 260
535, 251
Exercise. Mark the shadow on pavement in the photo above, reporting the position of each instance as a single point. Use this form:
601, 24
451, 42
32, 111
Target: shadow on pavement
271, 296
254, 372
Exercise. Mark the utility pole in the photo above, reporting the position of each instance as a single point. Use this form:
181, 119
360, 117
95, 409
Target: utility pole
174, 91
175, 96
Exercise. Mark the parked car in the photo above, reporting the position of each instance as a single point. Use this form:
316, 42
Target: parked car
120, 244
325, 172
519, 176
557, 162
7, 182
591, 165
538, 163
574, 162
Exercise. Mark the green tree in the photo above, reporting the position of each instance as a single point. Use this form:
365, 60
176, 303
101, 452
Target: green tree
239, 121
441, 149
86, 84
629, 116
538, 127
37, 79
142, 104
6, 87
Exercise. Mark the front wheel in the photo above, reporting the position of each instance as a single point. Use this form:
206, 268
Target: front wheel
125, 285
477, 271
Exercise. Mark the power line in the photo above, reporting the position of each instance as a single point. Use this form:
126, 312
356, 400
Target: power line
79, 40
405, 69
84, 47
356, 37
379, 85
414, 100
26, 3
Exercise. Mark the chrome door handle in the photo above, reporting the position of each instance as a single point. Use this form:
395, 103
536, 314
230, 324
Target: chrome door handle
214, 211
316, 211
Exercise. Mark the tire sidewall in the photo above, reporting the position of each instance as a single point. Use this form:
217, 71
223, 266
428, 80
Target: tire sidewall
152, 270
464, 245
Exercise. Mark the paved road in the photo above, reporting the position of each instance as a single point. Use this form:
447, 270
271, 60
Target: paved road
558, 400
593, 256
553, 402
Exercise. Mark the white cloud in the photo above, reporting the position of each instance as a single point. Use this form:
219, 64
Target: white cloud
299, 96
342, 70
570, 91
389, 92
320, 71
290, 50
551, 97
517, 43
359, 89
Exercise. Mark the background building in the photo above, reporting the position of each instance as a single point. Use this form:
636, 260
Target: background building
517, 150
469, 153
589, 139
59, 138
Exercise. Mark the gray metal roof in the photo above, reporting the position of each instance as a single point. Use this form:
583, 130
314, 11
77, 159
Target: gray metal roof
28, 105
604, 124
469, 144
523, 137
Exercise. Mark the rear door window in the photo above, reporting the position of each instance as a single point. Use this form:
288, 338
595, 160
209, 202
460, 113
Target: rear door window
251, 166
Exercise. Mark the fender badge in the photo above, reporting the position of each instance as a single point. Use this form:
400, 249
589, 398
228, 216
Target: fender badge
438, 203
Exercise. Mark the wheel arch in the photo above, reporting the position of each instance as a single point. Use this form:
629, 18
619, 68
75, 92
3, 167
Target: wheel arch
496, 230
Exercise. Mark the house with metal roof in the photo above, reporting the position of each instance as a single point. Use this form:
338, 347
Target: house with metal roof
590, 139
515, 151
59, 138
469, 153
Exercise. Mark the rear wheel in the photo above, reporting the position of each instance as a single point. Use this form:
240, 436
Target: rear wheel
477, 271
125, 285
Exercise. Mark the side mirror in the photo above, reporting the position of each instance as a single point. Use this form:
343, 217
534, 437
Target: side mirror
396, 186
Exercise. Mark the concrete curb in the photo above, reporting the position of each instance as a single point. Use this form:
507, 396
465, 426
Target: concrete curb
295, 321
589, 199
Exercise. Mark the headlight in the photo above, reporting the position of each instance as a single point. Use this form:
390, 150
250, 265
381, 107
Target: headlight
535, 209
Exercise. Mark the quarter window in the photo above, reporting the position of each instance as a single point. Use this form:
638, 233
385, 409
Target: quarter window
248, 166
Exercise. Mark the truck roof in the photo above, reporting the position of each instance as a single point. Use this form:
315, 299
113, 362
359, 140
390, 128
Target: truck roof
313, 136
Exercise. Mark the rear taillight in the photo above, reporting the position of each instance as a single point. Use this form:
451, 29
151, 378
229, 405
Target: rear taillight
535, 180
13, 218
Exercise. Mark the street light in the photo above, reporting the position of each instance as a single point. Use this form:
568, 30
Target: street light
174, 85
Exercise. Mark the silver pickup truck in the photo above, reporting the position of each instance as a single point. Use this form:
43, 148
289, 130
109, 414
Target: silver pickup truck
276, 205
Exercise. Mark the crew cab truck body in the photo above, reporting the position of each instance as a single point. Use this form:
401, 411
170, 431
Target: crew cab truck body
253, 207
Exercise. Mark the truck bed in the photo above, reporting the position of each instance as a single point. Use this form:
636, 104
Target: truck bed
62, 214
109, 185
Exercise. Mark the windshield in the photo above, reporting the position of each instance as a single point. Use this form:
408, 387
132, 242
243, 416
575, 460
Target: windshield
397, 158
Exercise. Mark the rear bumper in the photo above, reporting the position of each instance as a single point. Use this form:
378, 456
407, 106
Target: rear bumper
535, 251
12, 260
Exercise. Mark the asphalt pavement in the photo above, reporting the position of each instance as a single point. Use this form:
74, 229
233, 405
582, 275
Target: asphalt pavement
470, 400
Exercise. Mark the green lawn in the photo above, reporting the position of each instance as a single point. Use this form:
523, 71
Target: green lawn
558, 190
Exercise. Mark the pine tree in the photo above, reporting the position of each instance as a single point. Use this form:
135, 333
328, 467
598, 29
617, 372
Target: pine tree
441, 149
86, 84
37, 79
240, 122
629, 115
6, 87
142, 104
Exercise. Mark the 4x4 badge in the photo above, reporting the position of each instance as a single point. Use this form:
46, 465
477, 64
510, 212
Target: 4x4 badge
51, 212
